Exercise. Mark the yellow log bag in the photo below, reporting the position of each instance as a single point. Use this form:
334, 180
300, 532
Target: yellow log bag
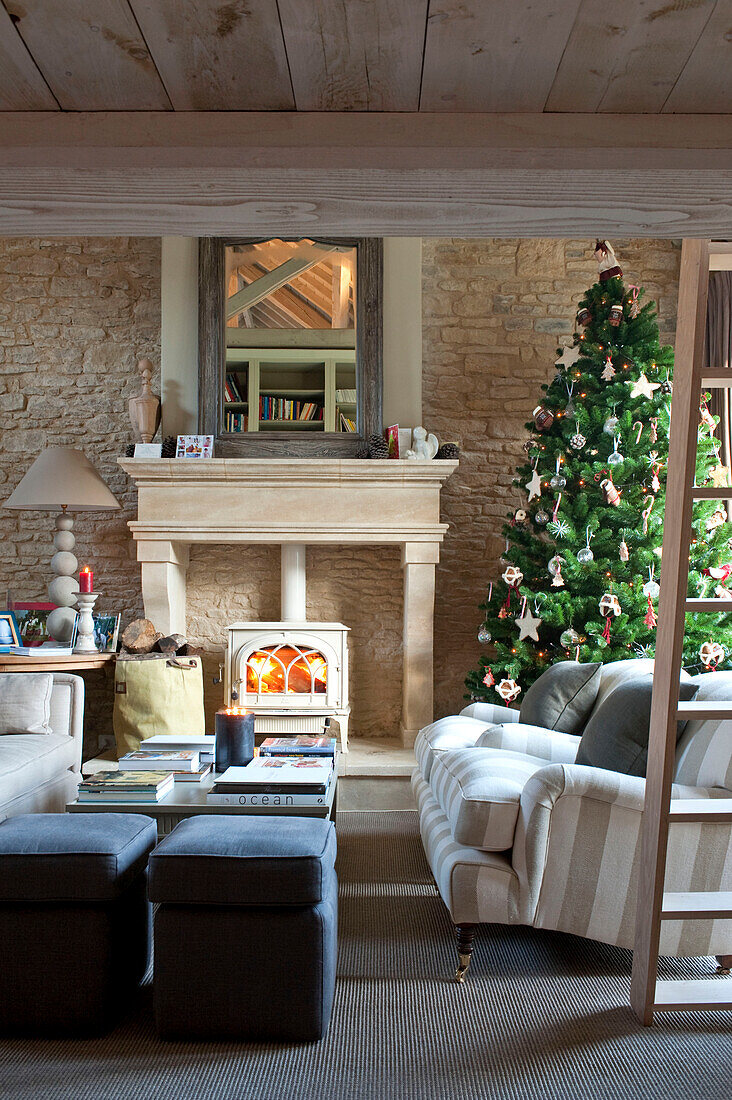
157, 695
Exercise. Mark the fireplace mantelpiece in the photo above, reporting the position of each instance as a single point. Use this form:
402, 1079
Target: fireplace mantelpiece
220, 500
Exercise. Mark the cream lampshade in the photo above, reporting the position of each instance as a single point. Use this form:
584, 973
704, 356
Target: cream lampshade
63, 480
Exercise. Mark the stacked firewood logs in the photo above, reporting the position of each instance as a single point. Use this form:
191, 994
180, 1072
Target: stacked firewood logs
141, 640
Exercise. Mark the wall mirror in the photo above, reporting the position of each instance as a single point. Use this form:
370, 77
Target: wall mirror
290, 345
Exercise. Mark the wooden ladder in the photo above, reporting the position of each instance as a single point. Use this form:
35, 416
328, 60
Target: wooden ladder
649, 994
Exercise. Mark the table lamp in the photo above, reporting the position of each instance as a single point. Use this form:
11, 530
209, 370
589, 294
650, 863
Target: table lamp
63, 480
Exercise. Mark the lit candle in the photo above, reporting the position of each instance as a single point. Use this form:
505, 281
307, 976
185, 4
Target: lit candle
86, 579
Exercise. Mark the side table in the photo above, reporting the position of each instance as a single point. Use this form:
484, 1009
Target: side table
73, 662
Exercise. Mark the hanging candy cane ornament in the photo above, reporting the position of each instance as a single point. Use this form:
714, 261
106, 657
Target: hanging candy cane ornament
639, 426
645, 514
556, 508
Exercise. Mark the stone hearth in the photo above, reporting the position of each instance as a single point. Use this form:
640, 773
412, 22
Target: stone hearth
285, 501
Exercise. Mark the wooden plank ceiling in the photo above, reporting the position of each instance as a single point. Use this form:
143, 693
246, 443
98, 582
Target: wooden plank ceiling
589, 56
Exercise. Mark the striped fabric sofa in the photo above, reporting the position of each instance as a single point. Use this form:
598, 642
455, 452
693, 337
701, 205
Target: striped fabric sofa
516, 833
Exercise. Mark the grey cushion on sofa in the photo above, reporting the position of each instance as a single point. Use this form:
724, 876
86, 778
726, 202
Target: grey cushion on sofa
563, 696
616, 736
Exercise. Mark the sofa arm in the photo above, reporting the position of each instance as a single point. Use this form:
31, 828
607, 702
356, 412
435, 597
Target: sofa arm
67, 710
549, 745
577, 855
491, 712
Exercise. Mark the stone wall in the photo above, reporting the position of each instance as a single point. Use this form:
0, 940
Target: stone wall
494, 312
76, 314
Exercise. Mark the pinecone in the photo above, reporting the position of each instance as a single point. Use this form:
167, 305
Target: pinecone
378, 447
362, 451
448, 450
169, 446
130, 450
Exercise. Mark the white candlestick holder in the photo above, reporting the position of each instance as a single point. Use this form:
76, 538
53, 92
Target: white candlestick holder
85, 635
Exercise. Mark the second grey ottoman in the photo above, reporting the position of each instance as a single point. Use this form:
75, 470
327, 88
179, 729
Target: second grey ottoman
246, 928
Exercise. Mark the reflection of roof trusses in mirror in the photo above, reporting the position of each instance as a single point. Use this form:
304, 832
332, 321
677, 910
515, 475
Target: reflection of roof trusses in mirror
290, 284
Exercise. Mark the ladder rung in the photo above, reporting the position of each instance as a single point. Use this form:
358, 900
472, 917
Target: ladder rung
693, 994
717, 379
711, 492
697, 905
690, 712
700, 809
720, 605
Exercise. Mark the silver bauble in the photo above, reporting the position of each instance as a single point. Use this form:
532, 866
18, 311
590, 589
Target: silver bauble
541, 518
558, 482
610, 425
615, 458
569, 638
484, 635
651, 588
585, 556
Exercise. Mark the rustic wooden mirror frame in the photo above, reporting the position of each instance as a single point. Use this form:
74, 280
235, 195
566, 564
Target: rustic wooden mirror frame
212, 352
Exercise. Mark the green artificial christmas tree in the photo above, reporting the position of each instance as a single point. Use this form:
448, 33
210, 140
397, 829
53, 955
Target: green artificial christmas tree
582, 564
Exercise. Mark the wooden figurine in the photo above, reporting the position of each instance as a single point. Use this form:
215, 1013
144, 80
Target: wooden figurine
145, 409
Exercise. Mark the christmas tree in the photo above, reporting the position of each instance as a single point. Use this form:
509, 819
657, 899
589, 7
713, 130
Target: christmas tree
582, 564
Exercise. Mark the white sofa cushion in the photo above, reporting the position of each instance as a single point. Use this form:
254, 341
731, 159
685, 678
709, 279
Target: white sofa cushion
26, 761
480, 792
454, 732
25, 702
549, 745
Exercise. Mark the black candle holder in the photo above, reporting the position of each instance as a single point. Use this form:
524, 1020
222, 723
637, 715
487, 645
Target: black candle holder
234, 738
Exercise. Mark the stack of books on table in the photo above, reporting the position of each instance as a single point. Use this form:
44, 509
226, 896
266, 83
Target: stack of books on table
297, 781
302, 745
203, 744
135, 786
185, 764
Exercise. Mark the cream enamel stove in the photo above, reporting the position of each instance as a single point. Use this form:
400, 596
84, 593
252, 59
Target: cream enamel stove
292, 674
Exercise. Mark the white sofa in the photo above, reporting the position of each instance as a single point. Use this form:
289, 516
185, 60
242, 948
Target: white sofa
40, 772
516, 832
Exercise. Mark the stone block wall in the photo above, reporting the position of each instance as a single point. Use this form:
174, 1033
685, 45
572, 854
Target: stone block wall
76, 314
494, 312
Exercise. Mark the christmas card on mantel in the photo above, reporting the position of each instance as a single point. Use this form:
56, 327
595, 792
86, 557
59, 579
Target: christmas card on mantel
582, 566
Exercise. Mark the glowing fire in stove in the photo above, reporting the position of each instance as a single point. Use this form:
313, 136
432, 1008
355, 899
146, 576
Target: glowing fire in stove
286, 670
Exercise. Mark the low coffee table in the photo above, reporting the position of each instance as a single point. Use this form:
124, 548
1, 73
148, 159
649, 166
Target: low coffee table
189, 799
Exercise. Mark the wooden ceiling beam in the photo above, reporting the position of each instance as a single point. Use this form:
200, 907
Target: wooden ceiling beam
218, 174
218, 139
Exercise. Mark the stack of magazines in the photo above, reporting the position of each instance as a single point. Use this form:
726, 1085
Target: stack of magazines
185, 764
125, 787
297, 781
302, 745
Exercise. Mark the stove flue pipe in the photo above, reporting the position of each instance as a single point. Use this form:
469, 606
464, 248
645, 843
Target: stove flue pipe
292, 582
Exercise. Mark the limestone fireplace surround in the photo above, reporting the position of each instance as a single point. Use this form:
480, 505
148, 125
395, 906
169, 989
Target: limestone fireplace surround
285, 501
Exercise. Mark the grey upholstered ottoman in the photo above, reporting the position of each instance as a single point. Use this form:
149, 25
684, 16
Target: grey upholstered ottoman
74, 919
246, 928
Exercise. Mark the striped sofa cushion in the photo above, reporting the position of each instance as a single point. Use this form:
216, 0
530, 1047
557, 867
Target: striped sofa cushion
454, 732
479, 792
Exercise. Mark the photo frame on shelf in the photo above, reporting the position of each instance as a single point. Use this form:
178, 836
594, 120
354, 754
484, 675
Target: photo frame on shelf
194, 446
9, 635
106, 631
31, 619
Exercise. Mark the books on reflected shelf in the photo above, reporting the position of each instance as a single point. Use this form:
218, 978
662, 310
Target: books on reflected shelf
302, 745
160, 760
202, 743
134, 786
275, 781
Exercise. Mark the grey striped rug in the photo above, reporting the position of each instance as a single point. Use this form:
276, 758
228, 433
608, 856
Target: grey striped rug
542, 1015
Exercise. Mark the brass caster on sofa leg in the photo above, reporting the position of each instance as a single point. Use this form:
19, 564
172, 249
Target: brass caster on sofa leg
465, 937
463, 965
725, 964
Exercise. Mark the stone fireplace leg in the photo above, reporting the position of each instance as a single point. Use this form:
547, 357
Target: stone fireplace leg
164, 565
418, 561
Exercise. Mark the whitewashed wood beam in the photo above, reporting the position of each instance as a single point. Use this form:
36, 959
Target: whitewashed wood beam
498, 56
354, 57
627, 56
216, 56
265, 285
22, 88
92, 56
365, 174
705, 84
